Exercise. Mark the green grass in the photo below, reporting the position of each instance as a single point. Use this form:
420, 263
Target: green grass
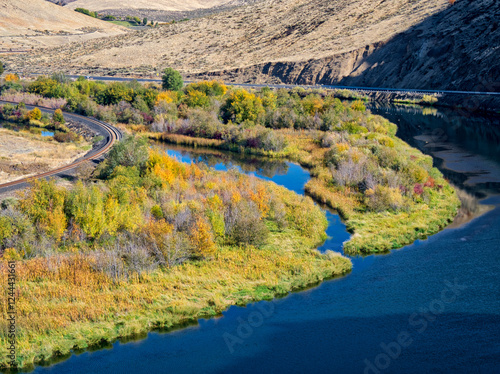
124, 23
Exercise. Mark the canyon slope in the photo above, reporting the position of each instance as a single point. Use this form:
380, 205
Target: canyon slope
383, 43
38, 23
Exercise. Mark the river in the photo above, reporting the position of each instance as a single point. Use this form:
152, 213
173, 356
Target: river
433, 306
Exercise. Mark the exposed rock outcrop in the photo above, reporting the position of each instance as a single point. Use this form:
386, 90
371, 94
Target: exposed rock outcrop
456, 49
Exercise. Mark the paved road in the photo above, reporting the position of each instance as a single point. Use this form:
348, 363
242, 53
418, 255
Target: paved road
290, 86
110, 133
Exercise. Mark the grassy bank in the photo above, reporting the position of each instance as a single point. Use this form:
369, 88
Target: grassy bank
153, 245
75, 307
427, 205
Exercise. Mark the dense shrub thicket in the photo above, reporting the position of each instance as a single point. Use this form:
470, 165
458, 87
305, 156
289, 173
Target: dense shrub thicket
204, 109
167, 211
358, 164
153, 243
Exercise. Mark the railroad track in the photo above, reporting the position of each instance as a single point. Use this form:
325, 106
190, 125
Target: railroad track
111, 134
315, 86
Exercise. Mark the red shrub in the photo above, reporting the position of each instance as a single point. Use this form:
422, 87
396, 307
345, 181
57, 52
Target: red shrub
430, 182
418, 189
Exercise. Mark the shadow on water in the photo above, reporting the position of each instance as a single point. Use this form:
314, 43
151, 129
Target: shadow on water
347, 324
465, 147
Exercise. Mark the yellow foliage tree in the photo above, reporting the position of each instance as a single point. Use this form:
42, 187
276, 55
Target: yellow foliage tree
35, 114
197, 99
167, 96
157, 230
11, 78
43, 202
261, 198
170, 170
202, 238
313, 104
209, 88
241, 106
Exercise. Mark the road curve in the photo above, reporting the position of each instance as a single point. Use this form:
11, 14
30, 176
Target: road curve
111, 135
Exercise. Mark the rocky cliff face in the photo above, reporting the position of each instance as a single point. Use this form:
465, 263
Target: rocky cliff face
456, 49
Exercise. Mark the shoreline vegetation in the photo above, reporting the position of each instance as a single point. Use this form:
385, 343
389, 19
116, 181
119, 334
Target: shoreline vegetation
400, 228
155, 244
148, 242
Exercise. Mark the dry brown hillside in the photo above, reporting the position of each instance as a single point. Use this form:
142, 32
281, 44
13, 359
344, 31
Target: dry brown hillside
24, 24
273, 30
170, 5
160, 10
419, 43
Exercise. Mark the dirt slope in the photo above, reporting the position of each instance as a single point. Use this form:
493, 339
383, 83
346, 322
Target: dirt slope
456, 49
422, 43
272, 30
37, 22
170, 5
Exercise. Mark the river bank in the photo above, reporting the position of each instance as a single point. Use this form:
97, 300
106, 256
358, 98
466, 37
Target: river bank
342, 323
89, 296
402, 226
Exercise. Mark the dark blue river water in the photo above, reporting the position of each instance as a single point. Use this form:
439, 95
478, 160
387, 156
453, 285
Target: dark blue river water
433, 306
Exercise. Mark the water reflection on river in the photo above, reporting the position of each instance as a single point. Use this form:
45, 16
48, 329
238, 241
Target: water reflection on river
283, 173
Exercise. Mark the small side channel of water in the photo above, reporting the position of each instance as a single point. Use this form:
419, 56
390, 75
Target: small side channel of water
343, 325
283, 173
33, 130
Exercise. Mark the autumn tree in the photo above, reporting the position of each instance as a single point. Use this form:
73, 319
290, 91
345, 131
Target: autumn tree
43, 202
241, 106
58, 116
11, 78
168, 246
312, 104
202, 238
269, 98
46, 87
114, 93
167, 97
195, 99
35, 114
209, 88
